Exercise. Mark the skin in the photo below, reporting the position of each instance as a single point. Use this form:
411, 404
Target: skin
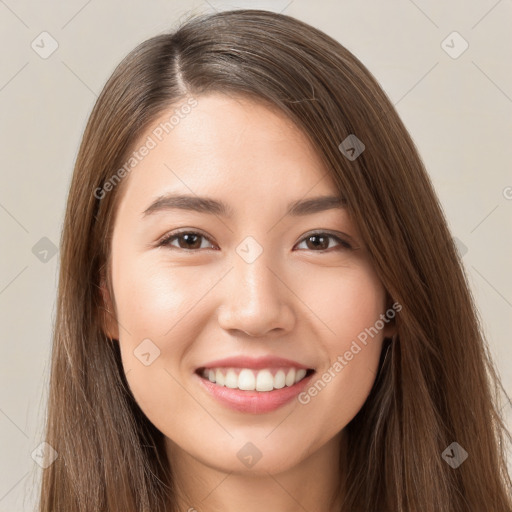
294, 301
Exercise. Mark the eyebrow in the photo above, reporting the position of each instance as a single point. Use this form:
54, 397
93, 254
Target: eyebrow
214, 207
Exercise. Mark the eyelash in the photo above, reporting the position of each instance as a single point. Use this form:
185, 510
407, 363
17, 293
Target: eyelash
165, 241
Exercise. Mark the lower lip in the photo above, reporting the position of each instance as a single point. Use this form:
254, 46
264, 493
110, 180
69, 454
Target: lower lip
256, 402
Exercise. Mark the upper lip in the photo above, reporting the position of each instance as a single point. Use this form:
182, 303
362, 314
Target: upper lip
254, 363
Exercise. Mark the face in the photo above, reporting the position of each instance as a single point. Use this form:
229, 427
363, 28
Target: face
278, 291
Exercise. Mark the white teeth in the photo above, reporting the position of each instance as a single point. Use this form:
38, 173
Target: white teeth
290, 377
300, 374
231, 380
219, 378
279, 379
264, 381
246, 380
250, 380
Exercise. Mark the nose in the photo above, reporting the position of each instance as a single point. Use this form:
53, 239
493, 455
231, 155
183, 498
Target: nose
256, 300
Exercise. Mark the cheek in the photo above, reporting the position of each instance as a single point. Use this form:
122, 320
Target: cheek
153, 297
155, 306
346, 301
350, 309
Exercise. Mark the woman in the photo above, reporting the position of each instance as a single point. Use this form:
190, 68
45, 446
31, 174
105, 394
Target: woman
260, 304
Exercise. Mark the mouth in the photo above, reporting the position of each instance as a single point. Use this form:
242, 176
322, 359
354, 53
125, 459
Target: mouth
248, 379
256, 391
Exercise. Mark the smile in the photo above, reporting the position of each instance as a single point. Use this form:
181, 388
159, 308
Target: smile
253, 390
262, 380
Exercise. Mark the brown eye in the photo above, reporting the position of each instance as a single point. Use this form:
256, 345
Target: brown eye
192, 240
189, 240
319, 242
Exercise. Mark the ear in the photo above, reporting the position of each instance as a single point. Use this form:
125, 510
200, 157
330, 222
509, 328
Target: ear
108, 318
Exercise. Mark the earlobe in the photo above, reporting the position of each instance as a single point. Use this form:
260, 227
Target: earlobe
108, 315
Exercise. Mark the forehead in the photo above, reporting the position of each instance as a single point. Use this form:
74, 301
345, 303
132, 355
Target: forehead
231, 147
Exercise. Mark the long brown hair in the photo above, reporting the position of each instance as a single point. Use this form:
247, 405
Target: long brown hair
438, 384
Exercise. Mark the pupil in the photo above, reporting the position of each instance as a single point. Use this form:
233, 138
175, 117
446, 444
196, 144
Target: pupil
323, 238
187, 237
190, 238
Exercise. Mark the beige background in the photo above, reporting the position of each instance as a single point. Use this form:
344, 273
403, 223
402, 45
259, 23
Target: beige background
458, 111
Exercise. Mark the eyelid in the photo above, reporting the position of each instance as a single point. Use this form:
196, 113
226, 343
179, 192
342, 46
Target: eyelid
342, 237
172, 234
344, 241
